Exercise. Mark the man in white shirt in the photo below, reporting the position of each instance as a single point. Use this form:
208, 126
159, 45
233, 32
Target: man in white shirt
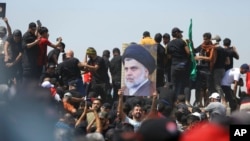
232, 76
136, 112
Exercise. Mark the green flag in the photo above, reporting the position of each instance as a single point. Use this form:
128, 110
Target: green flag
193, 70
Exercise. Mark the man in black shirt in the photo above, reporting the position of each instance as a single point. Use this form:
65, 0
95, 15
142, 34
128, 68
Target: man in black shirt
100, 79
160, 82
218, 72
30, 53
13, 55
115, 70
54, 54
232, 53
180, 53
70, 70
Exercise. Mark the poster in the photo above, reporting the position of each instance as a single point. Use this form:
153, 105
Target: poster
138, 69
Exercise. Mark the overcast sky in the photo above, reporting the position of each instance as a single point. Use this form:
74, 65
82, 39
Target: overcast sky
105, 24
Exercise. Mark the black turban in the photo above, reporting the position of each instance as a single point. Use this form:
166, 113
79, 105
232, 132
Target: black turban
140, 54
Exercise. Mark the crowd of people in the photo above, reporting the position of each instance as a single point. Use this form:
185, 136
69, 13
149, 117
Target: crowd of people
44, 99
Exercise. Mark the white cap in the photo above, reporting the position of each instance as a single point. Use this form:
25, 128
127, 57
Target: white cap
47, 84
67, 94
215, 95
197, 115
216, 38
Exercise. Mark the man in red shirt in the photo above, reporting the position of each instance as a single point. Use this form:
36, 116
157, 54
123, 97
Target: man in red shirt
43, 43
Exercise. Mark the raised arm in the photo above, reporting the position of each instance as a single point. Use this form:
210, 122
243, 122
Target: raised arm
9, 32
98, 122
236, 55
154, 104
120, 112
57, 44
153, 110
90, 67
83, 115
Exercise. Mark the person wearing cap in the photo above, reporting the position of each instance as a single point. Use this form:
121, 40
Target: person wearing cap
4, 35
146, 39
180, 56
232, 76
139, 64
115, 71
215, 97
70, 70
215, 108
13, 55
232, 52
216, 39
99, 83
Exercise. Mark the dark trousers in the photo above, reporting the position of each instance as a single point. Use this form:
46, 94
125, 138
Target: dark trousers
230, 97
203, 82
180, 79
115, 86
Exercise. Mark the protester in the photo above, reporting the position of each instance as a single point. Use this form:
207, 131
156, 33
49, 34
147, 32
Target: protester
232, 76
70, 70
100, 79
13, 56
115, 70
161, 56
232, 52
30, 42
222, 59
146, 39
180, 53
53, 55
43, 47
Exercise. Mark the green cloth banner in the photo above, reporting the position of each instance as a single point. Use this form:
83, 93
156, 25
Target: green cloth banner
193, 69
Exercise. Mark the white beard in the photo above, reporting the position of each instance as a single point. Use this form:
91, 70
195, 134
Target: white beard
136, 82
